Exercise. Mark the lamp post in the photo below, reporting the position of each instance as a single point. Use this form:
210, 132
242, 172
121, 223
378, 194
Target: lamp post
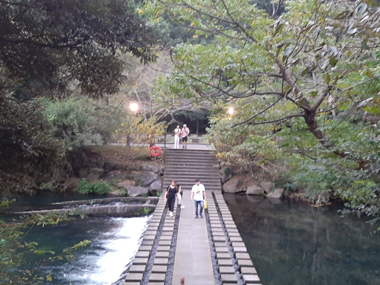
134, 108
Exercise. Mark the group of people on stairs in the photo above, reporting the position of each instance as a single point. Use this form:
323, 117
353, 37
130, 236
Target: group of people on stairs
181, 134
198, 193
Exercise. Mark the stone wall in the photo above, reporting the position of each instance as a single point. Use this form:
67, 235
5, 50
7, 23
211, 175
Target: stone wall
249, 186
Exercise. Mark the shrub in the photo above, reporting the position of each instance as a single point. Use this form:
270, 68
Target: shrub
101, 188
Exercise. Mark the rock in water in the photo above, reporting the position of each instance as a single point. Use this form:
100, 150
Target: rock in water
255, 190
276, 194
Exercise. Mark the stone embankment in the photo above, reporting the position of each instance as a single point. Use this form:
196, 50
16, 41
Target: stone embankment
241, 184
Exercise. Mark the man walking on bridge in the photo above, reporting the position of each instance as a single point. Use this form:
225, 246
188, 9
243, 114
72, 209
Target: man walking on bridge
199, 193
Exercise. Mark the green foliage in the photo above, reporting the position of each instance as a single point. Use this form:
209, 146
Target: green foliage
14, 248
140, 131
101, 188
144, 212
49, 49
47, 43
29, 153
83, 121
303, 86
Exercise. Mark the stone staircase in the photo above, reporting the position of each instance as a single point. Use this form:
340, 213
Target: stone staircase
185, 165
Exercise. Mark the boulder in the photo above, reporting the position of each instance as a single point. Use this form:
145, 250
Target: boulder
225, 174
255, 190
83, 172
71, 183
91, 163
153, 167
276, 194
95, 174
115, 175
126, 184
100, 163
138, 191
135, 175
109, 166
147, 178
155, 188
267, 185
233, 185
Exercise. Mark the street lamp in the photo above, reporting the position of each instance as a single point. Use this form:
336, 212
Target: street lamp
134, 107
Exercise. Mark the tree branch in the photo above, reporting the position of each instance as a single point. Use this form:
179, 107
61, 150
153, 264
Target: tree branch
276, 121
324, 95
238, 24
258, 114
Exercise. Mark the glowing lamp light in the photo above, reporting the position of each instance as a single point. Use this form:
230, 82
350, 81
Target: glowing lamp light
231, 110
134, 107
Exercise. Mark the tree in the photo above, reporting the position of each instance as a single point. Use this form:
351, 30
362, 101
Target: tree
29, 153
80, 121
49, 49
50, 43
300, 75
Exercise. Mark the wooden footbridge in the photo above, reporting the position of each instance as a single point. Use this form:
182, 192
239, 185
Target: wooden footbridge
201, 251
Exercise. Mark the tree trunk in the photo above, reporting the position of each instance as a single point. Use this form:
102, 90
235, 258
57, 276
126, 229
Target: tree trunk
309, 112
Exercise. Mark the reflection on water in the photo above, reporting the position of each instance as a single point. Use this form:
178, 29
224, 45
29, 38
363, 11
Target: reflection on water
294, 244
114, 241
48, 197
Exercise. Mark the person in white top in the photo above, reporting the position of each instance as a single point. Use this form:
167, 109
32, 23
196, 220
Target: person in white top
198, 192
177, 133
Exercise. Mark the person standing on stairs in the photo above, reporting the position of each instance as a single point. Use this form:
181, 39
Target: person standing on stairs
171, 192
199, 193
177, 134
184, 134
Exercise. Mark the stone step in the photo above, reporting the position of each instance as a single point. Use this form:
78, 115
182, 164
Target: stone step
190, 173
187, 184
172, 150
191, 168
190, 160
192, 181
196, 170
185, 179
194, 174
188, 154
190, 186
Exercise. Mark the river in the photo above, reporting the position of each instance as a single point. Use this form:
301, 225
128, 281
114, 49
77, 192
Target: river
289, 244
114, 242
296, 244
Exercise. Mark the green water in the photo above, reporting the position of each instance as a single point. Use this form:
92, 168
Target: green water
294, 244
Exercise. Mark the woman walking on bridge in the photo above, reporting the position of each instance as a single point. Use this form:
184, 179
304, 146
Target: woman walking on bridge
171, 192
